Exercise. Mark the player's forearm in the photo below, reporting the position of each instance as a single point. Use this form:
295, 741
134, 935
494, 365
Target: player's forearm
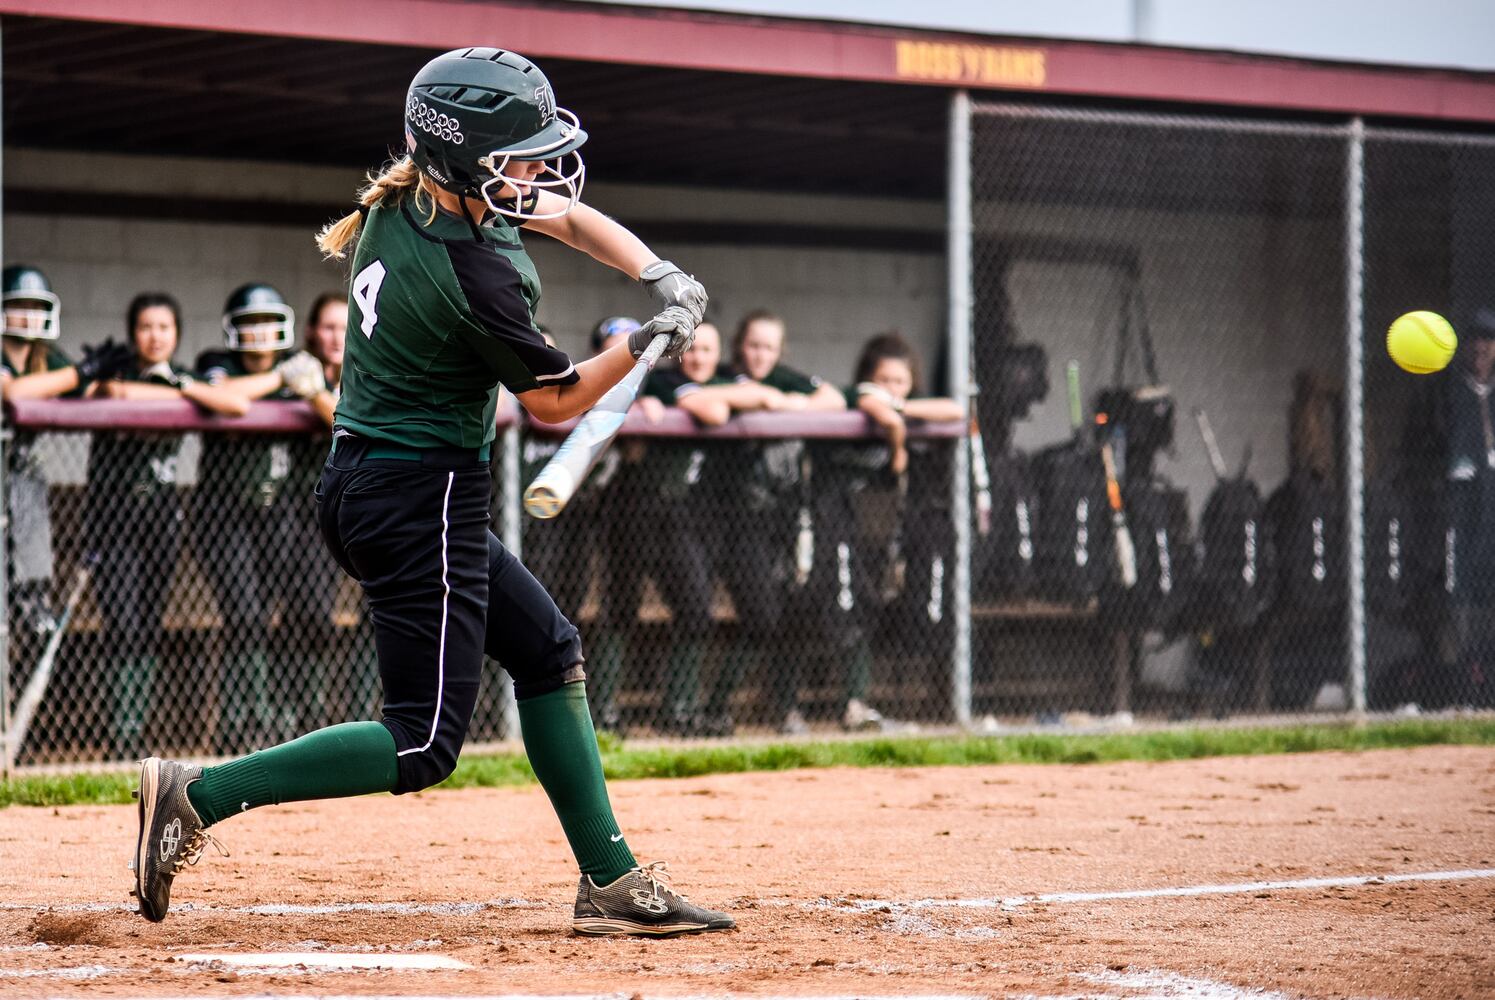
41, 385
220, 400
601, 238
709, 409
826, 398
325, 405
594, 376
933, 409
255, 386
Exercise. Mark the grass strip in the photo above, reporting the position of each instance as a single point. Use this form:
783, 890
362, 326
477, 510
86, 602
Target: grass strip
621, 762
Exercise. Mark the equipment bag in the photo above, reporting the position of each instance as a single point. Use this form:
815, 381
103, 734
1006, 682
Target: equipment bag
1006, 557
1307, 518
1157, 515
1072, 543
1234, 571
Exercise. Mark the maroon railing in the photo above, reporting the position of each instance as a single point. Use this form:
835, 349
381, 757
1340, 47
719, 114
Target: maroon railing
298, 418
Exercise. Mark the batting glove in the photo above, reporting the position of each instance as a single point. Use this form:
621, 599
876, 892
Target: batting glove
673, 320
104, 361
302, 374
671, 286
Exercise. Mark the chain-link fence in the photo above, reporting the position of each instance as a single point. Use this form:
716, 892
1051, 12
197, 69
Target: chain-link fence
1429, 449
1169, 299
720, 583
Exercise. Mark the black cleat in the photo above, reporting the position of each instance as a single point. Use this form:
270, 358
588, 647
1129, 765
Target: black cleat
171, 833
641, 902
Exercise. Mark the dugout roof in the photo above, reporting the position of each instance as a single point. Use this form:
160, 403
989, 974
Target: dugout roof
675, 96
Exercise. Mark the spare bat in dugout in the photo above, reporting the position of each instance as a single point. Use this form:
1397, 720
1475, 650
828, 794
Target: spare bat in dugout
567, 469
1126, 551
1211, 445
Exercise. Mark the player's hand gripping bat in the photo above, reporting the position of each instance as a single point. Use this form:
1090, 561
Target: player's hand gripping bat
557, 483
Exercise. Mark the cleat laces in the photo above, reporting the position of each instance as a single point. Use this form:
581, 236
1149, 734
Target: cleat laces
658, 875
191, 853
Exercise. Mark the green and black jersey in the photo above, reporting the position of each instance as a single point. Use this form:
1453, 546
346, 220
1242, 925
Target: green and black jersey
56, 359
678, 465
20, 456
138, 463
247, 468
850, 464
438, 316
775, 468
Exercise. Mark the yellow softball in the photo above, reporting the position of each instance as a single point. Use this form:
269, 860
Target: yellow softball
1421, 342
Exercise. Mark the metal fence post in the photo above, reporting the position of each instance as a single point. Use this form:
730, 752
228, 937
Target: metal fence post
958, 264
1354, 405
7, 752
513, 538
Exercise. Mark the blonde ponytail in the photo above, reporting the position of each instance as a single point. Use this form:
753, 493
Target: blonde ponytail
401, 177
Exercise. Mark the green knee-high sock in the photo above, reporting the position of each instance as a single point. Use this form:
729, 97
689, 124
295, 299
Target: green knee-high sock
562, 749
355, 758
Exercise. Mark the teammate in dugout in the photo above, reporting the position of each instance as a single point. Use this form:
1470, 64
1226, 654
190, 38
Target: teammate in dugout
443, 298
773, 503
134, 513
692, 489
33, 367
247, 532
848, 563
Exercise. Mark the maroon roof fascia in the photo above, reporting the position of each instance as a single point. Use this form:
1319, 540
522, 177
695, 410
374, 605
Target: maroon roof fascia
750, 44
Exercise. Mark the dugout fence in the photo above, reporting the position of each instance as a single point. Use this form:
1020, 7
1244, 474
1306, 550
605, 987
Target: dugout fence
1329, 547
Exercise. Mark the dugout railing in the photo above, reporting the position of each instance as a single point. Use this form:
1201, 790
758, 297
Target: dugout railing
168, 591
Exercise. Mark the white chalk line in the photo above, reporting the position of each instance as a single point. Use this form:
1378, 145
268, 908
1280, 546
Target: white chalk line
860, 905
1235, 888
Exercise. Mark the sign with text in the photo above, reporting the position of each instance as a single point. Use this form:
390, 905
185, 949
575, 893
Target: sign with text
975, 65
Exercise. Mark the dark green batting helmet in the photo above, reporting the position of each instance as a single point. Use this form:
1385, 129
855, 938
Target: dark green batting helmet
32, 310
256, 318
471, 111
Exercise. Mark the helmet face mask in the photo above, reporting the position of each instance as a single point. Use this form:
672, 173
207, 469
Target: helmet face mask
32, 311
32, 317
257, 319
470, 113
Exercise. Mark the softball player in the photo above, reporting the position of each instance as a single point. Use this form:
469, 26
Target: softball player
847, 565
32, 367
134, 512
443, 298
776, 489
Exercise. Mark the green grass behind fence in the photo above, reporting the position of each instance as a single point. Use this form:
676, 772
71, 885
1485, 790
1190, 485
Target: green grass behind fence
622, 762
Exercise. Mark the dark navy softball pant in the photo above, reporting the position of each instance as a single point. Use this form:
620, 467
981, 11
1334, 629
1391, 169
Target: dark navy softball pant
441, 591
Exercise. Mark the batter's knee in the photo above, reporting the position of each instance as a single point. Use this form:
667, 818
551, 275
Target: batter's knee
535, 683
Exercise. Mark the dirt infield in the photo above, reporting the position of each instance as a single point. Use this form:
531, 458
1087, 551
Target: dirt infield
843, 881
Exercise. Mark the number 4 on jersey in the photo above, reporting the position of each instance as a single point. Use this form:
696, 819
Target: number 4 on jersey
366, 284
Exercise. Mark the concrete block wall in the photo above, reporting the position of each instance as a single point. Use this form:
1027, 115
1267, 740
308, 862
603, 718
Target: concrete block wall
831, 299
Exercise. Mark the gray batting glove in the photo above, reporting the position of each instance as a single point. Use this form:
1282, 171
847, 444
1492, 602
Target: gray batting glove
671, 286
673, 320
